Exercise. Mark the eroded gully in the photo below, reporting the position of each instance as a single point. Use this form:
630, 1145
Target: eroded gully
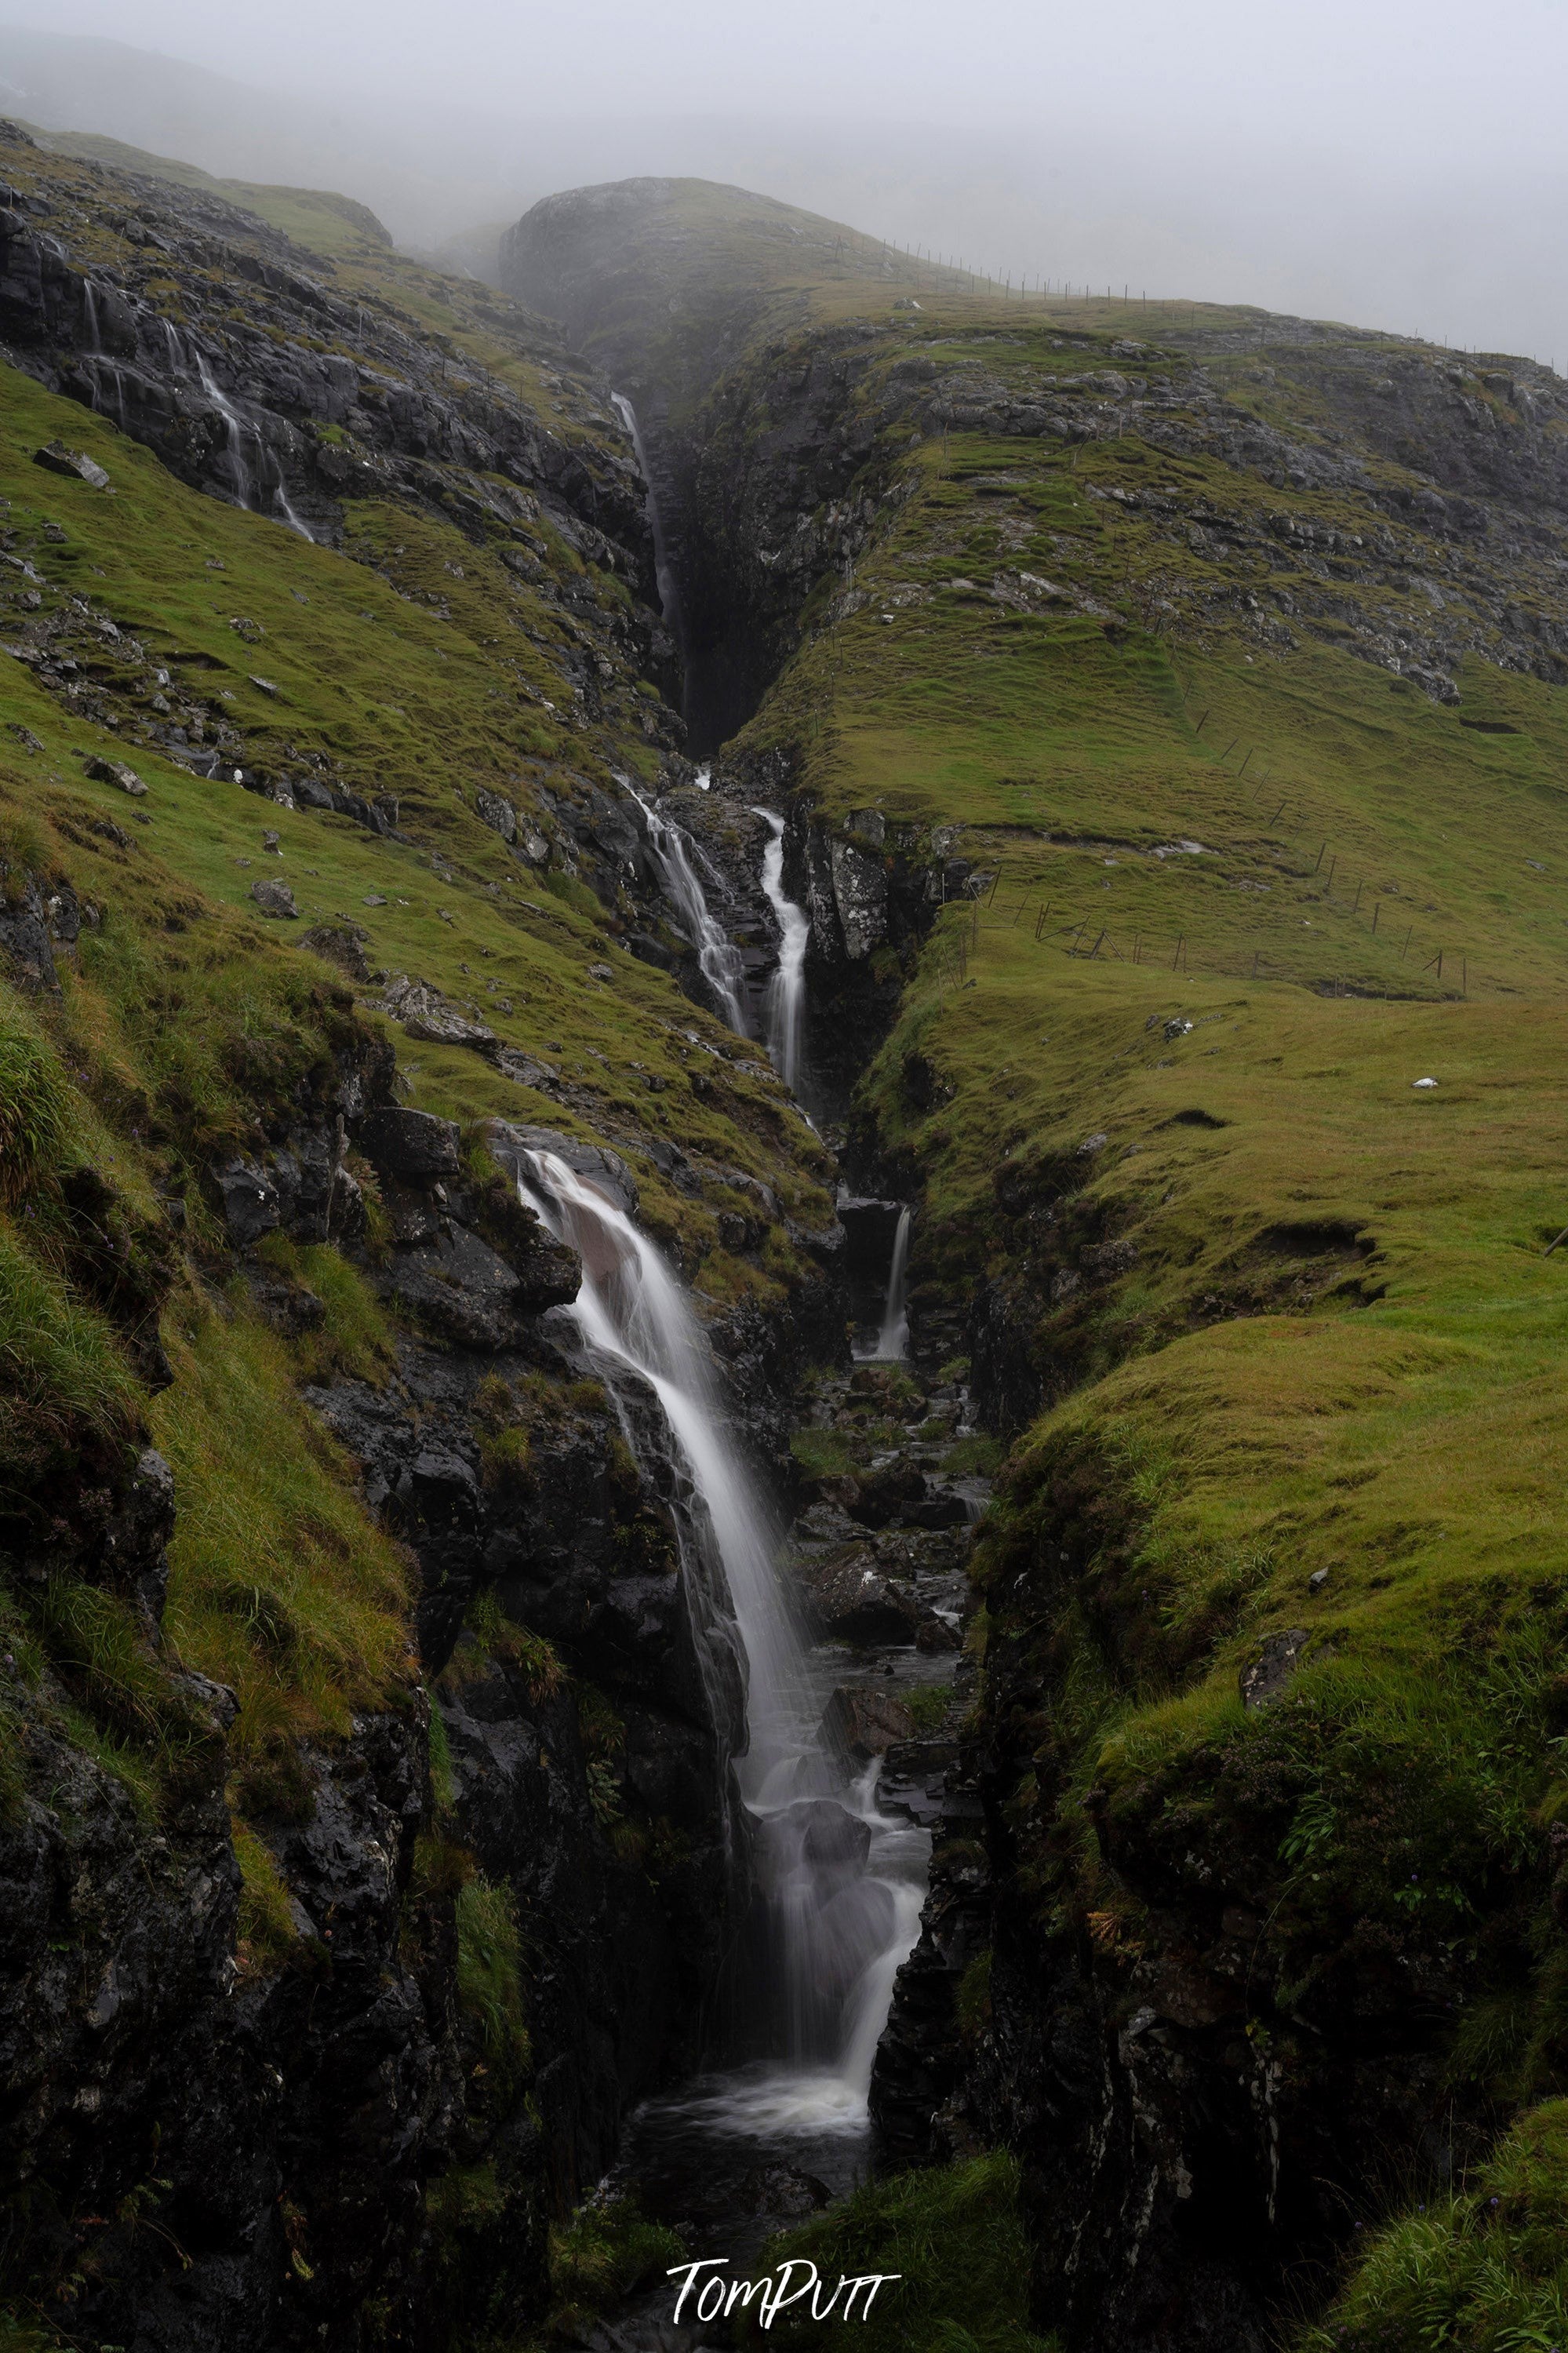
843, 1624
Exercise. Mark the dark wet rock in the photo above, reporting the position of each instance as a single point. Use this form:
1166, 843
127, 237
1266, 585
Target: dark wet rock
410, 1143
1265, 1677
25, 937
274, 899
885, 1492
864, 1721
250, 1203
852, 1600
291, 1308
339, 944
458, 1288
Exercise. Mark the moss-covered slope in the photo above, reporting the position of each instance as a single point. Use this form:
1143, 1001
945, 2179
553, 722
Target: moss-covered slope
1227, 653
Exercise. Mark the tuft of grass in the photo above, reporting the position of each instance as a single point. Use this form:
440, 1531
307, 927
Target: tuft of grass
281, 1584
267, 1935
65, 1385
929, 1703
954, 2235
1483, 2272
489, 1973
822, 1453
40, 1119
607, 2250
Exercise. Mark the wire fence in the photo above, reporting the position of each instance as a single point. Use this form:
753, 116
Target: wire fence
1088, 940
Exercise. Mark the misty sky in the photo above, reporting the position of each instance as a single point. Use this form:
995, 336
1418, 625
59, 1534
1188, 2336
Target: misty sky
1391, 163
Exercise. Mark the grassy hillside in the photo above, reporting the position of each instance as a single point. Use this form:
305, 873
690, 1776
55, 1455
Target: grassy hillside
1274, 1323
187, 1021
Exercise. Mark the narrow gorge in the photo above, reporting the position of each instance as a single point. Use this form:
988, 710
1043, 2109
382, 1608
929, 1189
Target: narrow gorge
780, 1076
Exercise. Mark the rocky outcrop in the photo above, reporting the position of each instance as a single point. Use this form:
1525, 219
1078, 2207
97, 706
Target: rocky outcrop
266, 384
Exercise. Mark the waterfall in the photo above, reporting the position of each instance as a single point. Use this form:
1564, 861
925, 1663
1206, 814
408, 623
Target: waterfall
894, 1339
230, 416
785, 1009
719, 957
840, 1912
663, 570
245, 477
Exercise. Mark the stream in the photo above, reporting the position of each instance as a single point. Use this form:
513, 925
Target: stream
845, 1630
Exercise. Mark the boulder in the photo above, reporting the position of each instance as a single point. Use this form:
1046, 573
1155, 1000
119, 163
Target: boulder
251, 1206
524, 1071
409, 1144
115, 772
885, 1494
865, 1721
497, 812
275, 899
432, 1018
854, 1602
60, 459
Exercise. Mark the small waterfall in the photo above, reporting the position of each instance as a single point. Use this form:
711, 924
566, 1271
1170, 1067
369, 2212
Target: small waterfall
247, 477
294, 521
90, 317
663, 570
842, 1906
785, 1009
893, 1342
722, 967
237, 430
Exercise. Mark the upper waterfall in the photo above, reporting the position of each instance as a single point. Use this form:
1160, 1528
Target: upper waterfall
720, 960
785, 1009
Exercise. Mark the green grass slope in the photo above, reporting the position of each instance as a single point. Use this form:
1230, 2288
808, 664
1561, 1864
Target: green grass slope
185, 1021
1289, 1314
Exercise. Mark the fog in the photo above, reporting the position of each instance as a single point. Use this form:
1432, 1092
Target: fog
1388, 165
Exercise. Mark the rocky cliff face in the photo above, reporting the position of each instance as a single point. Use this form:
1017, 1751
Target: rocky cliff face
321, 1995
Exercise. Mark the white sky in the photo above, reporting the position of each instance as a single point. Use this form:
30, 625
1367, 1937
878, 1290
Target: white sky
1397, 162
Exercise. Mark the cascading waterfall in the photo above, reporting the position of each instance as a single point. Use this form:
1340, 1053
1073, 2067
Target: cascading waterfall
246, 476
893, 1341
230, 416
839, 1880
785, 1009
719, 957
663, 570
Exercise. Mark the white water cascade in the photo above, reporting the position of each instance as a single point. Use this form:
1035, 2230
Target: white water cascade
719, 957
663, 570
785, 1009
841, 1882
245, 475
893, 1341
